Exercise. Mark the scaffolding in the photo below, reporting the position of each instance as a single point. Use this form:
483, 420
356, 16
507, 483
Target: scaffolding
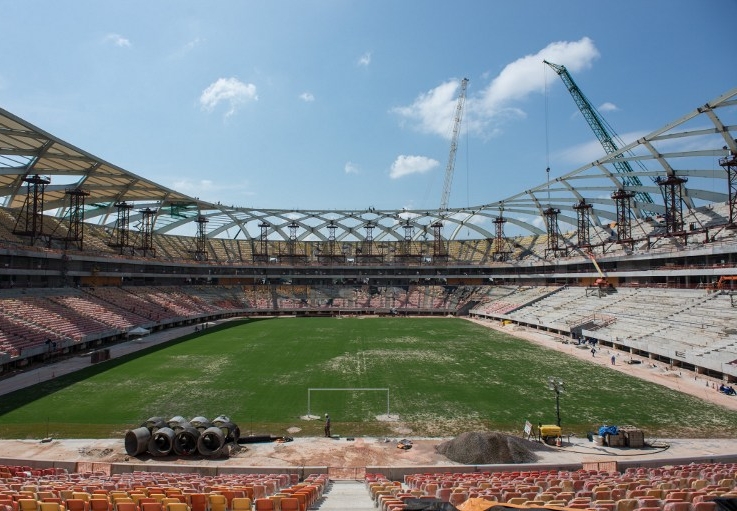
329, 253
200, 241
551, 222
672, 189
729, 164
583, 223
292, 241
623, 201
121, 229
406, 250
75, 231
500, 240
293, 255
30, 220
365, 252
262, 253
146, 230
439, 249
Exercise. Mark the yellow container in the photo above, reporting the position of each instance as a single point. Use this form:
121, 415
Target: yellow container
549, 430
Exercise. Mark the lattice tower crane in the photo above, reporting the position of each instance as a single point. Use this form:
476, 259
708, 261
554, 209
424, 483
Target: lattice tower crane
606, 136
453, 145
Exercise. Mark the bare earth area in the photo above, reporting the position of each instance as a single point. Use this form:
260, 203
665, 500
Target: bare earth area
358, 453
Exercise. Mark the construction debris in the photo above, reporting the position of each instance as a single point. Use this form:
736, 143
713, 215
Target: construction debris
489, 448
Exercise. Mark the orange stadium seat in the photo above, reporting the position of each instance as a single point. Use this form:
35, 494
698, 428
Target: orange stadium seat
75, 504
264, 504
97, 504
216, 502
244, 504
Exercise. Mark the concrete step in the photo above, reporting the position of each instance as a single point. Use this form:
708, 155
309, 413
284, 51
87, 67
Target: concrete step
345, 496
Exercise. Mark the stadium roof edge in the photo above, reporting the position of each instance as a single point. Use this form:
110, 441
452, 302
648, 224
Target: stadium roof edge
687, 147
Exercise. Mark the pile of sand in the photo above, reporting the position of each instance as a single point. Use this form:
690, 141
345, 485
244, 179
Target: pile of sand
489, 448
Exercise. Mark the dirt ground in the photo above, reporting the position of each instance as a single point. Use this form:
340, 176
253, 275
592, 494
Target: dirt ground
337, 452
354, 454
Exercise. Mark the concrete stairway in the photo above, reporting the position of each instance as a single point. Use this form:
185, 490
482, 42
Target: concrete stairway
345, 496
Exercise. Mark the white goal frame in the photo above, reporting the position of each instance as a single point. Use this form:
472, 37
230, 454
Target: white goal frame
349, 389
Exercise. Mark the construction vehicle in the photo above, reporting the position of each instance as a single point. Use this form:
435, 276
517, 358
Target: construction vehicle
601, 282
721, 287
721, 283
601, 285
605, 135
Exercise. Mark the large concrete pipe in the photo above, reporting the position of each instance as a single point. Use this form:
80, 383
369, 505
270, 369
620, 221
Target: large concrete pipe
220, 419
154, 423
136, 441
201, 423
231, 432
175, 421
211, 441
162, 442
185, 439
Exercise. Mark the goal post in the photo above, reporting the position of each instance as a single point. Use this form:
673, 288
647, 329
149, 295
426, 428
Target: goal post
348, 389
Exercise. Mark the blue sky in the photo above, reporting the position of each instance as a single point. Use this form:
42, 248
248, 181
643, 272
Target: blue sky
349, 104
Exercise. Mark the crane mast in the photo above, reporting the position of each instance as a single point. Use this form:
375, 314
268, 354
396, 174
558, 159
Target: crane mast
598, 126
453, 146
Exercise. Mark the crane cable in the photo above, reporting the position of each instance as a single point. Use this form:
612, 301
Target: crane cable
468, 185
547, 132
468, 180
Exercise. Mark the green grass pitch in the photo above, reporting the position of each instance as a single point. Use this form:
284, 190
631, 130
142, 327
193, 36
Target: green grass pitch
445, 376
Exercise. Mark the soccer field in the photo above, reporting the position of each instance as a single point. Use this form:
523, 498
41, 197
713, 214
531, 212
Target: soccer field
444, 376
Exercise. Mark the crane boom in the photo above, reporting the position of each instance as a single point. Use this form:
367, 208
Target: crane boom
453, 145
598, 126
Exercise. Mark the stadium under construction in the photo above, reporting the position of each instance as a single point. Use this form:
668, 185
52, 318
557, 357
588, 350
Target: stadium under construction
637, 250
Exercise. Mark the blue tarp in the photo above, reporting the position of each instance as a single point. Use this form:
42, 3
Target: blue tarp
608, 430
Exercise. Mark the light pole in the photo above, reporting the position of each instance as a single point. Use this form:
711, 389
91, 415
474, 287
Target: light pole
556, 385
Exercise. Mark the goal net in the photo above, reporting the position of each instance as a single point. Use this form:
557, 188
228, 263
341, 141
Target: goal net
350, 404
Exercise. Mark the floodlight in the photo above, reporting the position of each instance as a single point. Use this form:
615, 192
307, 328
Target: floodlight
557, 386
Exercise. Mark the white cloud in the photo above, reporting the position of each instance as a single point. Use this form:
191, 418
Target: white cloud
526, 75
351, 168
433, 111
365, 59
608, 107
307, 97
405, 165
228, 90
187, 47
118, 40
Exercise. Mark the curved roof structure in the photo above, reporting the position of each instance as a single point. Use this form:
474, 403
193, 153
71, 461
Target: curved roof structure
688, 148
